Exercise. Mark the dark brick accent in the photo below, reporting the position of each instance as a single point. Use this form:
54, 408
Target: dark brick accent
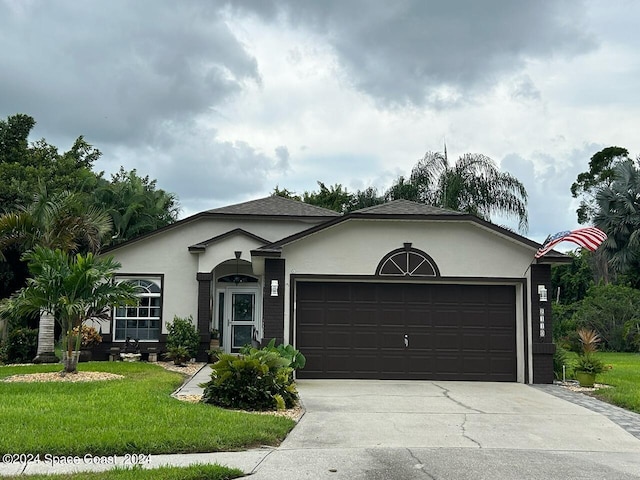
273, 307
542, 348
204, 314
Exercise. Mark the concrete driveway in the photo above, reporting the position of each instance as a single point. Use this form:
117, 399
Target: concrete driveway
447, 430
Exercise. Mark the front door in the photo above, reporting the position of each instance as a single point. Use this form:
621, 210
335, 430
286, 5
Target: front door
241, 312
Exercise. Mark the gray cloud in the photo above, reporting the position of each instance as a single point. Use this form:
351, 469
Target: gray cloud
282, 154
406, 52
550, 205
194, 163
116, 71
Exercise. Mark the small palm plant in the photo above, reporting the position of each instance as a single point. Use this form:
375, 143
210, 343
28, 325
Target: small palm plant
588, 364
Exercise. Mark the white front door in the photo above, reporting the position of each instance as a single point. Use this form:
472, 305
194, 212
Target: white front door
241, 317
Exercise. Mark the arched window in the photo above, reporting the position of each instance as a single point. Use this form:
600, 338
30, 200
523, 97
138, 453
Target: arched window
141, 322
407, 262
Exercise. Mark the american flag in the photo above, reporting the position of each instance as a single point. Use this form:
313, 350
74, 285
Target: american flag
589, 238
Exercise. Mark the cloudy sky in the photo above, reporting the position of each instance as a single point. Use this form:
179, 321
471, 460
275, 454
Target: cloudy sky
222, 101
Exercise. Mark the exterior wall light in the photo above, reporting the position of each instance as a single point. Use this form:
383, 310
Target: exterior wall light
542, 291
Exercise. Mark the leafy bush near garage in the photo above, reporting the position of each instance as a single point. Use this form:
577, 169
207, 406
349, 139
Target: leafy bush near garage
298, 360
257, 380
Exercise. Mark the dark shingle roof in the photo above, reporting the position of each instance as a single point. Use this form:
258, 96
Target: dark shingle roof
275, 206
406, 207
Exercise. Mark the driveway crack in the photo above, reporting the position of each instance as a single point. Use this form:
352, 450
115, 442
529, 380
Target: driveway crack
419, 465
464, 432
457, 402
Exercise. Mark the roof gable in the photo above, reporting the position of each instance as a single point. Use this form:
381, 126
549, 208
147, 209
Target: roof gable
202, 246
408, 210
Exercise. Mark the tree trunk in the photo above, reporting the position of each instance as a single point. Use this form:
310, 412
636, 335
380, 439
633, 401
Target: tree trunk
46, 339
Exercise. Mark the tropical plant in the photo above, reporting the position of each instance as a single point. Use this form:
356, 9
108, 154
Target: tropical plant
178, 354
296, 358
560, 361
336, 197
618, 215
55, 221
473, 185
89, 336
182, 334
259, 380
587, 361
614, 312
601, 174
73, 288
135, 205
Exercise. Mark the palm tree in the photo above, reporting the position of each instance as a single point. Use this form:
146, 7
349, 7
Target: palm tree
135, 205
473, 184
77, 288
61, 221
618, 215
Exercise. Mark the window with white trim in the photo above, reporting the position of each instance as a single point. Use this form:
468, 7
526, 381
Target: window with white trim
141, 322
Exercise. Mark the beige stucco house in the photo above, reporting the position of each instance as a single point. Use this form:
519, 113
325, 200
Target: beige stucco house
396, 291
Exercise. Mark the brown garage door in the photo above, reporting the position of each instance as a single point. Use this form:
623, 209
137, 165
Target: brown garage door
406, 331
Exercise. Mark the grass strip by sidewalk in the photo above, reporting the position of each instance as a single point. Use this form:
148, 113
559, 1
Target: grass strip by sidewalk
193, 472
624, 377
118, 417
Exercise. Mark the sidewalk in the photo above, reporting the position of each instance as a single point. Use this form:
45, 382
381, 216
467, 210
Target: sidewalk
191, 387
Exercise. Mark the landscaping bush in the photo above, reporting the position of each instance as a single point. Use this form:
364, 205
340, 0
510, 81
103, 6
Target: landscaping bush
287, 351
256, 380
4, 347
560, 358
183, 336
614, 312
21, 345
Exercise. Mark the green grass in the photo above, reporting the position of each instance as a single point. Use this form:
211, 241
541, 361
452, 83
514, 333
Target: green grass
624, 377
132, 415
193, 472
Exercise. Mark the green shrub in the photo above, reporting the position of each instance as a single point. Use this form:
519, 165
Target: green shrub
258, 380
22, 345
182, 334
560, 358
4, 354
613, 311
589, 363
296, 358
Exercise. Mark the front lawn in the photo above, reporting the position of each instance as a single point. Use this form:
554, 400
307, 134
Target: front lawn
193, 472
131, 415
624, 377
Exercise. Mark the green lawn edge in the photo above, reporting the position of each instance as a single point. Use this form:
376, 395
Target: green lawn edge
118, 417
192, 472
623, 378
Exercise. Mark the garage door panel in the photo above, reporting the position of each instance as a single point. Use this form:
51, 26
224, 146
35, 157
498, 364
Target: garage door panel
363, 316
391, 317
417, 318
446, 341
337, 338
365, 340
391, 293
475, 342
446, 317
455, 332
501, 342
